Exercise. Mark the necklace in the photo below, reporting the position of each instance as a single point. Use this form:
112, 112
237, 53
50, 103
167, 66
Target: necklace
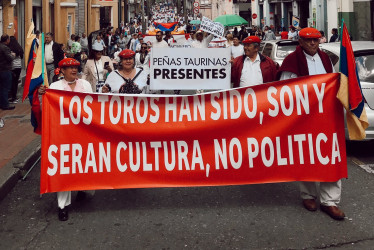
70, 83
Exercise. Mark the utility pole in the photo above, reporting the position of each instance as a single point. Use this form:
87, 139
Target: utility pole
143, 19
119, 14
178, 7
125, 12
185, 12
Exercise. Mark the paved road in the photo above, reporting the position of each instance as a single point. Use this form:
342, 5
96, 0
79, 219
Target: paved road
267, 216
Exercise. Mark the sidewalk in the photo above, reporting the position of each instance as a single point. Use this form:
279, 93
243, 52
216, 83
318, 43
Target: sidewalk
19, 146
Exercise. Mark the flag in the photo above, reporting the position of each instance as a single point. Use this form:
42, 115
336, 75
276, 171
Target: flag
38, 77
166, 26
350, 93
31, 47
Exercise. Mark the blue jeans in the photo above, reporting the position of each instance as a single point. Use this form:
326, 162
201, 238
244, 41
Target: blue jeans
5, 84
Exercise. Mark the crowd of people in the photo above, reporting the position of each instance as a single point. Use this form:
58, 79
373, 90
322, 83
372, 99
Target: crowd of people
118, 62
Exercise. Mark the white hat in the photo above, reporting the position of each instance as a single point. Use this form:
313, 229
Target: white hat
97, 47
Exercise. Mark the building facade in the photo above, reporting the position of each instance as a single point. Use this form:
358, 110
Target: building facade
321, 14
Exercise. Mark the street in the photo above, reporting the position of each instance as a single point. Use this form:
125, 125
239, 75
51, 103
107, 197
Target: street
266, 216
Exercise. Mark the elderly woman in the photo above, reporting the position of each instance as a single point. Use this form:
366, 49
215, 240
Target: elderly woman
97, 67
128, 79
71, 82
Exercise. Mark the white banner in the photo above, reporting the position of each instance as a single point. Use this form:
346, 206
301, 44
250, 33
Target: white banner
181, 68
179, 40
211, 27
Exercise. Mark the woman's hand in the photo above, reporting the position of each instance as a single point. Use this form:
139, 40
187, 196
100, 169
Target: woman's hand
42, 89
105, 88
108, 68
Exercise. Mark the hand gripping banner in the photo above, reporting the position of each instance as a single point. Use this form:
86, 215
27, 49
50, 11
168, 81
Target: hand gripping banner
283, 131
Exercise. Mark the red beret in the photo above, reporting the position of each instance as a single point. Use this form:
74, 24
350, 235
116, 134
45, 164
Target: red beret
126, 53
252, 39
67, 62
310, 33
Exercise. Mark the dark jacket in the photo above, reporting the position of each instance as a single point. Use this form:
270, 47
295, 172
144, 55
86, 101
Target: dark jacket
6, 58
296, 63
58, 53
268, 68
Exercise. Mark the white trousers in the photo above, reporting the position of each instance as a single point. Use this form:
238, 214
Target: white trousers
329, 192
64, 198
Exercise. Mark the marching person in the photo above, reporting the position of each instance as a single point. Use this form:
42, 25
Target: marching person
97, 67
160, 43
128, 79
308, 60
202, 40
142, 58
71, 82
252, 68
236, 49
53, 54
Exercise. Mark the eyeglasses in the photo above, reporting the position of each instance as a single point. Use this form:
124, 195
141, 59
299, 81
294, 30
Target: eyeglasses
144, 48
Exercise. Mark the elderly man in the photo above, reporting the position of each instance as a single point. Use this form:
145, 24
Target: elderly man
252, 68
306, 60
53, 55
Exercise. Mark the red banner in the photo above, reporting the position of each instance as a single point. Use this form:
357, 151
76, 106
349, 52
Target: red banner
279, 132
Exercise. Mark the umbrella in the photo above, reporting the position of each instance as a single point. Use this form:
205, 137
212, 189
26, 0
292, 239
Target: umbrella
230, 20
195, 22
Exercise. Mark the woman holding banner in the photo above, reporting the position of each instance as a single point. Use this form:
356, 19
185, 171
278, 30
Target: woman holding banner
128, 79
71, 82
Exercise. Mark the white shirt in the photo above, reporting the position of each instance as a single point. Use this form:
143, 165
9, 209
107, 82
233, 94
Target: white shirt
292, 35
48, 53
315, 67
237, 50
161, 44
251, 72
115, 81
203, 44
59, 85
100, 70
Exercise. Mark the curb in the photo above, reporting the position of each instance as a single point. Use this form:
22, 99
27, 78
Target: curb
16, 168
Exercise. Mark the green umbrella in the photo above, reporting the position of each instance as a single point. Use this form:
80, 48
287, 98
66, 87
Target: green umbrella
195, 22
230, 20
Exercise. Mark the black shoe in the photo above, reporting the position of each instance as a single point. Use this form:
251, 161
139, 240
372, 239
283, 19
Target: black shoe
8, 108
81, 196
63, 214
14, 101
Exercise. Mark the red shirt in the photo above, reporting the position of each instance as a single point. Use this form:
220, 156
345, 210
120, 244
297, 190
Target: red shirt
284, 35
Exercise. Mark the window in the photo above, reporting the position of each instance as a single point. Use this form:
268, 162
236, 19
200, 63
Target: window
365, 67
334, 58
267, 49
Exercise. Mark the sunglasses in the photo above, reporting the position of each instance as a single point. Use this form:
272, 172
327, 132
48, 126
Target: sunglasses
144, 48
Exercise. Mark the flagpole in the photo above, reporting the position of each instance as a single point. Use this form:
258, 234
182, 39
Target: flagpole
43, 57
341, 41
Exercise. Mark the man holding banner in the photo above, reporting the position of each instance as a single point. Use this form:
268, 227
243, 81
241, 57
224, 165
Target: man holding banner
252, 68
308, 59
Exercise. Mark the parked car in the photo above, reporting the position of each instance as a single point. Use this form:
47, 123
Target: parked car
278, 49
364, 56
